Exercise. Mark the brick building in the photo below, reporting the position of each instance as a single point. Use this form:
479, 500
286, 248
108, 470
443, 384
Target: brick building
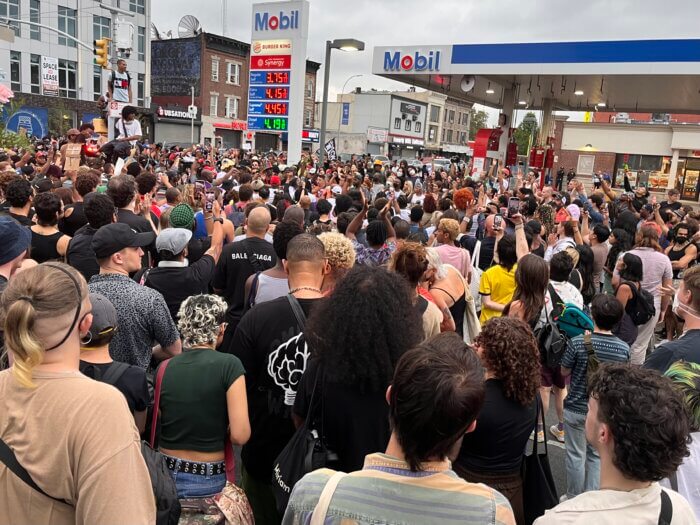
218, 69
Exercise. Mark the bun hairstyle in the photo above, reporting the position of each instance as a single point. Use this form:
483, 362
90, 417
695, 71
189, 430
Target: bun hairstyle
47, 291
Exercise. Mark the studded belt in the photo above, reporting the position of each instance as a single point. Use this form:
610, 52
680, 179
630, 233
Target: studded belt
199, 469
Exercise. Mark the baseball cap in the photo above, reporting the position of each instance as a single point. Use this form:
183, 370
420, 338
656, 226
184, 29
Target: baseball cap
174, 240
111, 238
181, 216
15, 239
257, 185
104, 316
275, 180
336, 190
227, 164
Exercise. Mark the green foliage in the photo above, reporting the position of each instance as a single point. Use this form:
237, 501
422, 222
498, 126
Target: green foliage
525, 132
477, 120
10, 139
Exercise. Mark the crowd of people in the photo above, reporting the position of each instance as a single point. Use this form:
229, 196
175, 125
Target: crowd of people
420, 321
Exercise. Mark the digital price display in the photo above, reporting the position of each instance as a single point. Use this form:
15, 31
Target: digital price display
276, 108
268, 99
277, 77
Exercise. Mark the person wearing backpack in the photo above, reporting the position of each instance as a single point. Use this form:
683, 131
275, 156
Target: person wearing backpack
657, 272
553, 381
75, 435
581, 358
629, 293
96, 363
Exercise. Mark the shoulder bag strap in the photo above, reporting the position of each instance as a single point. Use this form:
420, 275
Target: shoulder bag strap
298, 311
156, 400
252, 260
666, 514
477, 254
114, 373
588, 345
321, 509
9, 459
253, 289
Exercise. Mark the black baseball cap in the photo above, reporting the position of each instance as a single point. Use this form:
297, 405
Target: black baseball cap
111, 238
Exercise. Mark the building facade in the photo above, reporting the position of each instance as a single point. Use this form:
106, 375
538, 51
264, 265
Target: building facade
657, 156
455, 126
25, 59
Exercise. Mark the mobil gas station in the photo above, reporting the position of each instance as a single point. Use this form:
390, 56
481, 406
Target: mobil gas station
622, 77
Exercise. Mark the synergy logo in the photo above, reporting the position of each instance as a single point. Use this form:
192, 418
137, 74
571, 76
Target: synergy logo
393, 61
265, 22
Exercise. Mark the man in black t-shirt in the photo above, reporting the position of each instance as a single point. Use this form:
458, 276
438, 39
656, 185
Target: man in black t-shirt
99, 211
175, 277
96, 363
239, 260
270, 343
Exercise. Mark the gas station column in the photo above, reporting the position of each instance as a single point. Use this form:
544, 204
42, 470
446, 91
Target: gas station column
507, 110
673, 170
547, 125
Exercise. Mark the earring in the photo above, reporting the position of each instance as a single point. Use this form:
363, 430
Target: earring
89, 340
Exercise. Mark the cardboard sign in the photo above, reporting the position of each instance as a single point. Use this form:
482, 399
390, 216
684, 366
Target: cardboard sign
72, 162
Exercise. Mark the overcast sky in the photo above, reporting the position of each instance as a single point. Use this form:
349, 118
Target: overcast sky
433, 22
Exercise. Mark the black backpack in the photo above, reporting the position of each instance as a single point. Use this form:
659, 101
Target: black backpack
641, 308
552, 341
164, 489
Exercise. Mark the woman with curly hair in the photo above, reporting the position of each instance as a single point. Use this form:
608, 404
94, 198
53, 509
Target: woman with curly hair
202, 401
355, 341
492, 454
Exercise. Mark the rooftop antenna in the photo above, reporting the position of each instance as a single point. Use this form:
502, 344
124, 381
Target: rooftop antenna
188, 27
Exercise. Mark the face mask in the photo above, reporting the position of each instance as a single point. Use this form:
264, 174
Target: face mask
681, 240
682, 310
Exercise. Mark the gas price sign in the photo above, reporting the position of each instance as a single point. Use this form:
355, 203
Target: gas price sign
268, 94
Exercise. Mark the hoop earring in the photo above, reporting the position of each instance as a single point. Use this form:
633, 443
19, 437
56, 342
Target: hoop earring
89, 340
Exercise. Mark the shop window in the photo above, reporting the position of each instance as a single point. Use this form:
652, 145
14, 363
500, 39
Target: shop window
35, 74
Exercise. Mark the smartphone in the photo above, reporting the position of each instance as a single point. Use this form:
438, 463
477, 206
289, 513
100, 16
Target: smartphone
503, 212
513, 206
209, 203
498, 221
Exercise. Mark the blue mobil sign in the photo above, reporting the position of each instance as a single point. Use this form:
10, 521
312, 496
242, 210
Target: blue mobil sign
34, 121
281, 20
396, 61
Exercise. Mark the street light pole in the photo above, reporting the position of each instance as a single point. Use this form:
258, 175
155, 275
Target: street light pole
324, 103
346, 44
342, 92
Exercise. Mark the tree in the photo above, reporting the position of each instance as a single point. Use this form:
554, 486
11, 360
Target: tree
526, 132
477, 120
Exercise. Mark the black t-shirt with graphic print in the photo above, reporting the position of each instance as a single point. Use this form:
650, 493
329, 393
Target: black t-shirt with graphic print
234, 268
274, 353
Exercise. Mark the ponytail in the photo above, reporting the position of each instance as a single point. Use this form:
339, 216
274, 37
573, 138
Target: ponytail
40, 294
27, 349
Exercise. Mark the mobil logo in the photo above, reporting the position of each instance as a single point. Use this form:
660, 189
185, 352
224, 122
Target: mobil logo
398, 61
282, 21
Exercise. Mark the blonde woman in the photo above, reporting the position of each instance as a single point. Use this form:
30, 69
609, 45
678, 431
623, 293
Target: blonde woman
341, 258
75, 436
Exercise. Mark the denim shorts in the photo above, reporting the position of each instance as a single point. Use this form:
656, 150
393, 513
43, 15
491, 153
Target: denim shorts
195, 485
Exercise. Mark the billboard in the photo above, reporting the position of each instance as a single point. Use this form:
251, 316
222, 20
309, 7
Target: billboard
175, 67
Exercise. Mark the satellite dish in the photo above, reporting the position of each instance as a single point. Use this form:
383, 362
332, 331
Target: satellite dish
188, 27
155, 34
467, 83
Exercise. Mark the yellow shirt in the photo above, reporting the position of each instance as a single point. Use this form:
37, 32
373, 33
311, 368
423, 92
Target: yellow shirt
500, 285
